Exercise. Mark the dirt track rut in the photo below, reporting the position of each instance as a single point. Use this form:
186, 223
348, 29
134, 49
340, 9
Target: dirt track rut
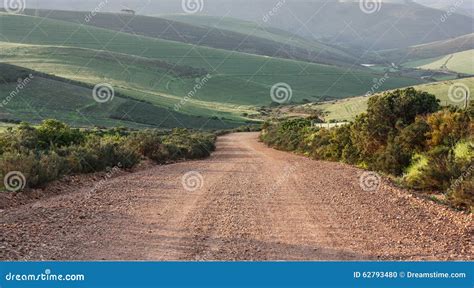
255, 203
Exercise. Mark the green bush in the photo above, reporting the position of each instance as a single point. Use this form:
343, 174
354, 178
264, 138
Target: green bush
402, 133
53, 149
462, 192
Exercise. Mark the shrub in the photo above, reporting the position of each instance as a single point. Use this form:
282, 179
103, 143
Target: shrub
462, 192
54, 149
54, 133
149, 144
402, 133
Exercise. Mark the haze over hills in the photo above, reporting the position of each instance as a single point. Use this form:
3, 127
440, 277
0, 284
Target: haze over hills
429, 50
463, 7
219, 67
396, 24
275, 43
161, 73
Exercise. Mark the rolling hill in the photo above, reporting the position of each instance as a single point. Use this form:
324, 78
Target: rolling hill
348, 109
321, 52
162, 72
429, 50
461, 62
396, 24
275, 44
45, 96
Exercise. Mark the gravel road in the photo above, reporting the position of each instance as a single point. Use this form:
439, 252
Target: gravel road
246, 202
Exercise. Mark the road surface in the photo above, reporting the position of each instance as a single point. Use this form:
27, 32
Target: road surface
246, 202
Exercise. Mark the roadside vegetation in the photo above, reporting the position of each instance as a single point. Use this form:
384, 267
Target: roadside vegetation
53, 149
404, 133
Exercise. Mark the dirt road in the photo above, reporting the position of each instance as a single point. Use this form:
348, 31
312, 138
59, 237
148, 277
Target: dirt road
252, 203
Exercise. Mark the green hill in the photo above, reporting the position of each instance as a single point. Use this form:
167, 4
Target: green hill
348, 109
394, 25
275, 44
461, 62
44, 96
161, 73
263, 71
323, 53
429, 50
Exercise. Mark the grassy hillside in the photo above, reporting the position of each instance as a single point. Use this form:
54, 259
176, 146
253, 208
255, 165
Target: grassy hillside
323, 53
275, 45
348, 109
163, 72
429, 50
393, 26
46, 96
461, 62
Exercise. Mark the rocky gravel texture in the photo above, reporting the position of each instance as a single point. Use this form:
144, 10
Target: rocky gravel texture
251, 203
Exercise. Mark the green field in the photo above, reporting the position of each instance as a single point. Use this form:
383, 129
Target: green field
461, 62
429, 50
227, 34
152, 70
348, 109
322, 52
45, 97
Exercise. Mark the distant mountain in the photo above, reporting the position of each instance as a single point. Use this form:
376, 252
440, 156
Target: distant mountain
393, 24
465, 7
430, 50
